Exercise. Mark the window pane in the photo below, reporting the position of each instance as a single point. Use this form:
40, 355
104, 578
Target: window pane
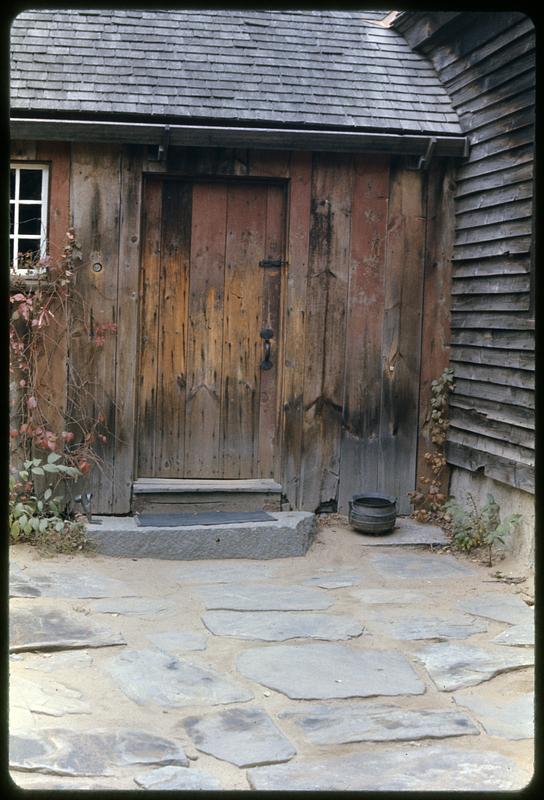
10, 252
11, 216
28, 251
30, 220
30, 187
12, 184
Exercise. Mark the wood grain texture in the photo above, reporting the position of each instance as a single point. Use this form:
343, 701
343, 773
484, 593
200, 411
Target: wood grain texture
510, 471
242, 349
269, 411
325, 328
360, 449
171, 344
435, 332
489, 72
205, 327
298, 233
402, 334
127, 328
95, 202
149, 326
51, 384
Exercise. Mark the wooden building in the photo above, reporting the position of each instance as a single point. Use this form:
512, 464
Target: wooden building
486, 63
265, 206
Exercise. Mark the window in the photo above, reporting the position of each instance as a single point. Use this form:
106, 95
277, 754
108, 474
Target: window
28, 215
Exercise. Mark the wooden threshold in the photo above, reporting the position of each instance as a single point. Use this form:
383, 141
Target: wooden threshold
192, 485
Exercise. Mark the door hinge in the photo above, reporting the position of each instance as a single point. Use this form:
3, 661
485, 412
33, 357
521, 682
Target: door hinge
271, 262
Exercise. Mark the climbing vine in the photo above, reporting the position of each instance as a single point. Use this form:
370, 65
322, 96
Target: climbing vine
46, 314
430, 496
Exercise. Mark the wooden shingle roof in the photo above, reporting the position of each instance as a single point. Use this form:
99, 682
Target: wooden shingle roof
319, 68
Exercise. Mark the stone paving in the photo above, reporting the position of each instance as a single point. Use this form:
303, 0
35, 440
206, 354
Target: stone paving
350, 668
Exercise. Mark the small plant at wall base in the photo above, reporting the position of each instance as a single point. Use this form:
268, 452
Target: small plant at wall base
479, 527
49, 439
429, 498
38, 514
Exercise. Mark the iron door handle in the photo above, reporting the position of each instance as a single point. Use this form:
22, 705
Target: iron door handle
267, 334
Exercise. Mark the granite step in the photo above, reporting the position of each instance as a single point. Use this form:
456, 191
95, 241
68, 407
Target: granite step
290, 533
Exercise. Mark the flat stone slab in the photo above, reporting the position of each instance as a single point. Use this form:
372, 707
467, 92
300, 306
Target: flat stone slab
418, 566
501, 607
321, 671
377, 722
408, 532
179, 641
177, 778
132, 606
243, 736
289, 534
513, 720
223, 572
522, 635
268, 597
150, 676
51, 698
421, 769
52, 662
47, 628
394, 597
60, 751
83, 583
334, 581
421, 626
277, 626
455, 666
28, 780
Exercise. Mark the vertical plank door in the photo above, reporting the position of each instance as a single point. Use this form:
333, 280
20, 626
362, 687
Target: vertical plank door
207, 409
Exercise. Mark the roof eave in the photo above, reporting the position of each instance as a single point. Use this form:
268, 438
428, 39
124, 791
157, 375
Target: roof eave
232, 136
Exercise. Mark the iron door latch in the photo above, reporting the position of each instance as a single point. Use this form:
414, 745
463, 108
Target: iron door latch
267, 334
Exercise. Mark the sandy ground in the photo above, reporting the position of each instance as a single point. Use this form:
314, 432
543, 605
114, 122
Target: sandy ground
336, 547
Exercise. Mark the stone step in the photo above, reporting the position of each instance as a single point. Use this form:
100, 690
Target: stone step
289, 534
194, 495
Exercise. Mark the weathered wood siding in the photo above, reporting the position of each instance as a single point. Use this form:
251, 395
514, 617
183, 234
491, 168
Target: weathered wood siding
486, 62
364, 324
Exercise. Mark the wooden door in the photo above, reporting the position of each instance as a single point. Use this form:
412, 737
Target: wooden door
207, 407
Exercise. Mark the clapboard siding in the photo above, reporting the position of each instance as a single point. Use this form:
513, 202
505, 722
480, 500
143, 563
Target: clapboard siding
486, 63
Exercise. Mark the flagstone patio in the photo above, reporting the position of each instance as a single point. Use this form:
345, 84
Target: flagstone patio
352, 667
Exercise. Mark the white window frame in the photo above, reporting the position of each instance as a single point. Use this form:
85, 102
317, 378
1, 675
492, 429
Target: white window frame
16, 202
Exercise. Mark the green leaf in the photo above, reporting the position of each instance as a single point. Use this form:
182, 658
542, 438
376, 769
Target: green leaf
39, 505
47, 494
52, 458
52, 467
23, 474
36, 462
59, 527
44, 524
28, 464
35, 523
37, 471
15, 530
23, 519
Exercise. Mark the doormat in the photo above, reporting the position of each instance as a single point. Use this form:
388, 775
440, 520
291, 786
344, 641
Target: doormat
205, 518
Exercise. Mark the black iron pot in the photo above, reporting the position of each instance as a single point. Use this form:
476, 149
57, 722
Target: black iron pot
372, 513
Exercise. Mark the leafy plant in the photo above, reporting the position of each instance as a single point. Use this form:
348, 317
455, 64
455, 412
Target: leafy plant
36, 509
429, 498
479, 527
